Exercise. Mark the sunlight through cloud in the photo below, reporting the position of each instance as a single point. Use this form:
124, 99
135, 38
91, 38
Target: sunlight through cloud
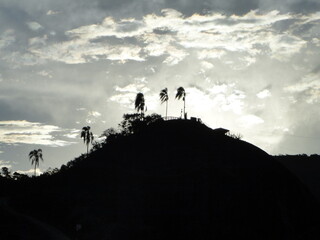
24, 132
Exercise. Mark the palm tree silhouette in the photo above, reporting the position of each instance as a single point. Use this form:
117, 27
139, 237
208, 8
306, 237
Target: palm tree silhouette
35, 156
87, 137
139, 103
164, 98
181, 93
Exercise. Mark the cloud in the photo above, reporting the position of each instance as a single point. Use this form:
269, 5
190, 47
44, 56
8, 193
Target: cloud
72, 135
6, 164
51, 12
7, 38
24, 132
45, 73
34, 26
38, 41
308, 89
93, 116
30, 171
235, 40
248, 121
264, 94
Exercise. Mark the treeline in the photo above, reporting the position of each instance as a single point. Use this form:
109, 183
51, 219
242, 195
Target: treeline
299, 160
131, 123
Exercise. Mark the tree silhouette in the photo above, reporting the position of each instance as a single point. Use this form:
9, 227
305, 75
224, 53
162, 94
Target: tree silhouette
139, 103
164, 98
5, 172
35, 157
87, 137
181, 93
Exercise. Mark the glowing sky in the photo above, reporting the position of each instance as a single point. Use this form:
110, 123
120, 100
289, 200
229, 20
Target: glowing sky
249, 66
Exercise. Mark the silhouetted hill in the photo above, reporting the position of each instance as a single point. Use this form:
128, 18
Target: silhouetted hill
173, 180
306, 168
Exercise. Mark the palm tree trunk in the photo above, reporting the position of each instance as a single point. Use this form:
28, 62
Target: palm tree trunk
166, 109
184, 108
35, 167
87, 149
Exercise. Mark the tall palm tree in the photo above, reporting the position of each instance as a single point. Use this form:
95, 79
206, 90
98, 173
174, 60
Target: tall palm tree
139, 103
87, 137
164, 98
35, 156
181, 93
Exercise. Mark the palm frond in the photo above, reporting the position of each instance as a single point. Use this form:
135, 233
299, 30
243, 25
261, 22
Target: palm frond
139, 102
86, 135
31, 154
164, 95
34, 156
180, 93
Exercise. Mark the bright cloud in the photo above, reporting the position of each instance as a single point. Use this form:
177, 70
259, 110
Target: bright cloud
30, 171
172, 34
264, 94
73, 134
24, 132
34, 26
248, 121
51, 12
93, 116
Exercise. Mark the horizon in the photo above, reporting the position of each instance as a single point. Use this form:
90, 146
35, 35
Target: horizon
250, 67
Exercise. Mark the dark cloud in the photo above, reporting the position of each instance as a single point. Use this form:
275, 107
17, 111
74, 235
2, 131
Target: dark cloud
128, 26
164, 31
304, 6
22, 109
13, 18
231, 22
284, 25
316, 69
187, 7
113, 40
296, 6
80, 12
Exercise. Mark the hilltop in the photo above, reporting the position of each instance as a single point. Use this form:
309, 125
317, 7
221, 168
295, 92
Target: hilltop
174, 179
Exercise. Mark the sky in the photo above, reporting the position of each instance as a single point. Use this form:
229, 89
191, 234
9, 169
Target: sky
251, 66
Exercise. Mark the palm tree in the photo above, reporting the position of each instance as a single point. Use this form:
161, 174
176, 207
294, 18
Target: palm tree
35, 156
139, 103
181, 93
87, 137
164, 98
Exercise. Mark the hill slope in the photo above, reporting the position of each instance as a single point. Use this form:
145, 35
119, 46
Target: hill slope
174, 180
306, 168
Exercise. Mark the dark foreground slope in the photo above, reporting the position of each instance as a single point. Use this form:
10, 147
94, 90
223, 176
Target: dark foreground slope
306, 168
173, 180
